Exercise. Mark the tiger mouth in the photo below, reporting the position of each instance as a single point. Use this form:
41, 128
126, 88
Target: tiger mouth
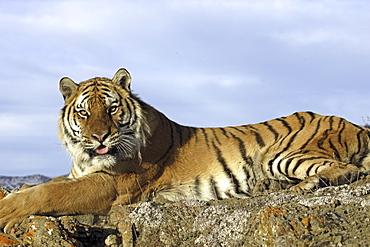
102, 150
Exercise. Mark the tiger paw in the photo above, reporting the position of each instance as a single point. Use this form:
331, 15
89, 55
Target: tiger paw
13, 209
307, 185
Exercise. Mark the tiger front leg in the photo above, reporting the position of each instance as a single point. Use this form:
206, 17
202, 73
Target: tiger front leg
337, 174
93, 193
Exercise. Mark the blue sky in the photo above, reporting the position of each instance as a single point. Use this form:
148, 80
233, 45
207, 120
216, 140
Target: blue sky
202, 63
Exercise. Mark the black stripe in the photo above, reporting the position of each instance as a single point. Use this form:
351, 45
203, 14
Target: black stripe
331, 121
242, 150
287, 165
192, 132
88, 86
215, 134
299, 162
341, 126
359, 145
196, 131
105, 89
124, 125
335, 150
325, 155
125, 121
346, 146
197, 187
310, 168
83, 98
71, 137
248, 172
300, 119
72, 124
359, 161
250, 127
272, 130
289, 143
106, 95
132, 110
66, 114
179, 133
226, 169
270, 163
323, 164
161, 117
169, 148
259, 139
224, 132
238, 129
320, 143
205, 136
214, 189
84, 93
286, 125
312, 115
254, 131
313, 135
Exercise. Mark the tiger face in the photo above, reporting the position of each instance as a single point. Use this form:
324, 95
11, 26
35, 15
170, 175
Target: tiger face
101, 122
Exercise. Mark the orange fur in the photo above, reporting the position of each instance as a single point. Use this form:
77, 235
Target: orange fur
126, 151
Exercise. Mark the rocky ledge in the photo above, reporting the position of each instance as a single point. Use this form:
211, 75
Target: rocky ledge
331, 216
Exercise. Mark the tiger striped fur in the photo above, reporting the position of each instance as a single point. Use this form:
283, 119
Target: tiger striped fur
125, 151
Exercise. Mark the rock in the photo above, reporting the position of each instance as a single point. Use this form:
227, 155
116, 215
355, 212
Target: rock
330, 216
8, 241
3, 192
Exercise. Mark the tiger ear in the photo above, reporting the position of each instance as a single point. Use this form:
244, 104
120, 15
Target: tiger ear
123, 79
67, 87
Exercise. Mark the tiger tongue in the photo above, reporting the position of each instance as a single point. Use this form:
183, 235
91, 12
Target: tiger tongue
102, 150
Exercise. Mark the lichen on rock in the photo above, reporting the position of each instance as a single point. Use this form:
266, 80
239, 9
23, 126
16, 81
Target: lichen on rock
330, 216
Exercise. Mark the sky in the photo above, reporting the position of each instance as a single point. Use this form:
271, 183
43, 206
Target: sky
202, 63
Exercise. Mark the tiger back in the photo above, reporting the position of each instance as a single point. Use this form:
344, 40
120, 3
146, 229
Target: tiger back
107, 128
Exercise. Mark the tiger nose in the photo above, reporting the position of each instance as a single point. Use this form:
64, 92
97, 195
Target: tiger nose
100, 136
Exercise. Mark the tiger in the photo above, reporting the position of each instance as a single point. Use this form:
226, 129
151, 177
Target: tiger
125, 151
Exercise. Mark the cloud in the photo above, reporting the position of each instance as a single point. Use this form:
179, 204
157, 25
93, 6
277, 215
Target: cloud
15, 124
203, 63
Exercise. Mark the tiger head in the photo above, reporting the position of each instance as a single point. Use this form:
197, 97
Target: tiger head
102, 122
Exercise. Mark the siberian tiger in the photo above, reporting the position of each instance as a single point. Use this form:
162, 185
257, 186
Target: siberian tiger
125, 151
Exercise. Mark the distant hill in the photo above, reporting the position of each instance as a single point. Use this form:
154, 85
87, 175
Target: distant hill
16, 182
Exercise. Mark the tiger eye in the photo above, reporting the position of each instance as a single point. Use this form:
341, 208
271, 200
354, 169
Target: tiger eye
113, 109
83, 113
